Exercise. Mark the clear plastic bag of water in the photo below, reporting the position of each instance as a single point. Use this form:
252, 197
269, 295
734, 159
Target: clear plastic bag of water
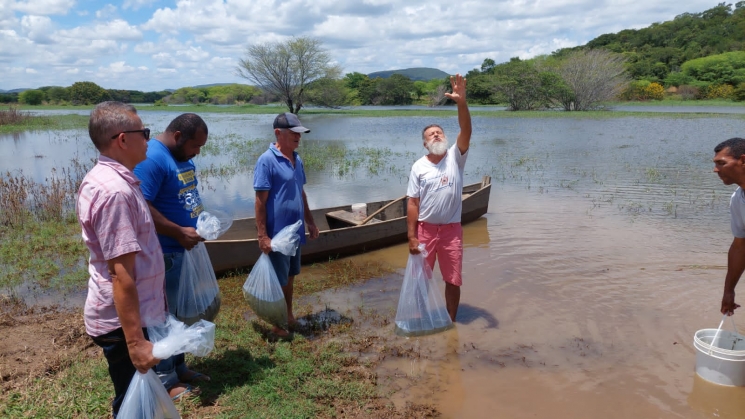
147, 398
198, 295
287, 240
174, 337
213, 223
264, 294
421, 309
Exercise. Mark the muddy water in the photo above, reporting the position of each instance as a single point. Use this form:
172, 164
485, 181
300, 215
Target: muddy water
566, 313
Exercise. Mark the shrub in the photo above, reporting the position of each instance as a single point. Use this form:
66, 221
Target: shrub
720, 91
688, 92
654, 91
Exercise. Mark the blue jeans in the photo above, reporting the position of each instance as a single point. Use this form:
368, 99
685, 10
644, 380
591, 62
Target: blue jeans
121, 369
168, 370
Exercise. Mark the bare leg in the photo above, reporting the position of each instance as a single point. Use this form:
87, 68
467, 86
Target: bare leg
452, 299
287, 290
288, 298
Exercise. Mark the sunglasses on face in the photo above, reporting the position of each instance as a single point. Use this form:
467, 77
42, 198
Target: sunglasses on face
145, 133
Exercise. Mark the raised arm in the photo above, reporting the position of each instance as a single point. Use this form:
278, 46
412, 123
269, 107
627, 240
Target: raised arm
458, 84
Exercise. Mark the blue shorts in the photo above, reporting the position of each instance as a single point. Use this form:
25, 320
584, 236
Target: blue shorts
285, 266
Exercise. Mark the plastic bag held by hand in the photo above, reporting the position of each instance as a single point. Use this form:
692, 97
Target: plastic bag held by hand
264, 294
198, 295
174, 337
147, 398
421, 309
288, 239
212, 224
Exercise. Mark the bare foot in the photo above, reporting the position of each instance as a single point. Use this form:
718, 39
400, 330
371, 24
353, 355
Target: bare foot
280, 332
182, 391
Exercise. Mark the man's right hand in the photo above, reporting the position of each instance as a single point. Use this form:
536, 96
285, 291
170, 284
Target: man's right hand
141, 354
189, 238
728, 303
265, 244
414, 246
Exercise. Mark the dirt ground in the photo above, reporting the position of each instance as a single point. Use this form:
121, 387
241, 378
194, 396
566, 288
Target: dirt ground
39, 341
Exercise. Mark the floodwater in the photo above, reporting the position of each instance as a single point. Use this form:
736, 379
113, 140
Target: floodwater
603, 251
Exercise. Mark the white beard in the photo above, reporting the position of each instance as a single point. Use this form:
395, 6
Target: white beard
438, 148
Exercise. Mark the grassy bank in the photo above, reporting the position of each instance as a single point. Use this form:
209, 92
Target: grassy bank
16, 120
327, 374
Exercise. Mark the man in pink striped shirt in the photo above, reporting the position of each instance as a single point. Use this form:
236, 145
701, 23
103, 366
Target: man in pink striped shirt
126, 286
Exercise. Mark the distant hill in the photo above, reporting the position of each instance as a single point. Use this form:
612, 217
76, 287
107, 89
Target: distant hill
417, 73
15, 90
211, 85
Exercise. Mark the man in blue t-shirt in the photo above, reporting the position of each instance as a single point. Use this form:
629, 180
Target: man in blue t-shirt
169, 184
279, 177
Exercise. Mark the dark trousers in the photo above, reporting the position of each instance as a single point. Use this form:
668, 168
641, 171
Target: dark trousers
121, 369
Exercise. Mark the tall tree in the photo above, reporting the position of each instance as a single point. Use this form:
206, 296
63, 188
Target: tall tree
287, 68
594, 76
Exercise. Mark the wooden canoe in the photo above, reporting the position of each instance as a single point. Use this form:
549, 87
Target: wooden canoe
339, 233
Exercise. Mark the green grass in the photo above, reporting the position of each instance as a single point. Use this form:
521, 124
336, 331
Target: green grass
251, 377
39, 123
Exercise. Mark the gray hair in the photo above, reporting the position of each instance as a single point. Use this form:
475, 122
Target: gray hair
108, 119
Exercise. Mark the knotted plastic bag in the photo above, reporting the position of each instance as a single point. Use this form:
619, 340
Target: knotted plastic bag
198, 295
147, 398
212, 224
421, 309
287, 240
173, 337
264, 294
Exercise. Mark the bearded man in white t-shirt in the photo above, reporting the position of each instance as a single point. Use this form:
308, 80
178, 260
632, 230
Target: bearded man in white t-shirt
729, 164
434, 205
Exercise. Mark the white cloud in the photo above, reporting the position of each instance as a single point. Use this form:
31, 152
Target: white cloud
37, 28
107, 12
43, 7
116, 29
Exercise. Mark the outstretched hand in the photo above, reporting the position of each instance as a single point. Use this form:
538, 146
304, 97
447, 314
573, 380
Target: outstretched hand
458, 84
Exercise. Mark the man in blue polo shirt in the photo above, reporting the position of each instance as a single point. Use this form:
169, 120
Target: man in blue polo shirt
279, 177
169, 184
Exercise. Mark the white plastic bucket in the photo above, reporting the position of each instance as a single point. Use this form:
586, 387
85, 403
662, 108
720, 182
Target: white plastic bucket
722, 362
359, 211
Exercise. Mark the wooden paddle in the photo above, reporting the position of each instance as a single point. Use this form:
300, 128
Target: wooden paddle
370, 217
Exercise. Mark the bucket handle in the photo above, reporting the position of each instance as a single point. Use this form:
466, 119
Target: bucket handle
716, 335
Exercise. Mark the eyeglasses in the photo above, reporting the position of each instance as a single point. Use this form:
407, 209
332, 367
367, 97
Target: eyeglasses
145, 132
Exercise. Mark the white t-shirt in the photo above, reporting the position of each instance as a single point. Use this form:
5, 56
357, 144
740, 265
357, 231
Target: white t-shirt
737, 213
439, 187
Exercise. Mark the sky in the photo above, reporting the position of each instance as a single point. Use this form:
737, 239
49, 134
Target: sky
151, 45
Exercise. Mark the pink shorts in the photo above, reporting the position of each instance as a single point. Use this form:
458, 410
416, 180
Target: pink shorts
444, 242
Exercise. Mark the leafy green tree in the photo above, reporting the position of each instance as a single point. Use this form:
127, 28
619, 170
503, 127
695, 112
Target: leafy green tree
330, 93
395, 90
727, 68
355, 80
58, 94
287, 68
87, 93
31, 97
521, 85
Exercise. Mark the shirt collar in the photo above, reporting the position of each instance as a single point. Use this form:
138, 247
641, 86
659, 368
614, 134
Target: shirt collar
275, 150
119, 168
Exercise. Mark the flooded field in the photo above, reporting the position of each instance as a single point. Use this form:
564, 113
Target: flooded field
603, 251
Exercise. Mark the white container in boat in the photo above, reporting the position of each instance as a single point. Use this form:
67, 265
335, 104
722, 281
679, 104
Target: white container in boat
359, 211
723, 362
